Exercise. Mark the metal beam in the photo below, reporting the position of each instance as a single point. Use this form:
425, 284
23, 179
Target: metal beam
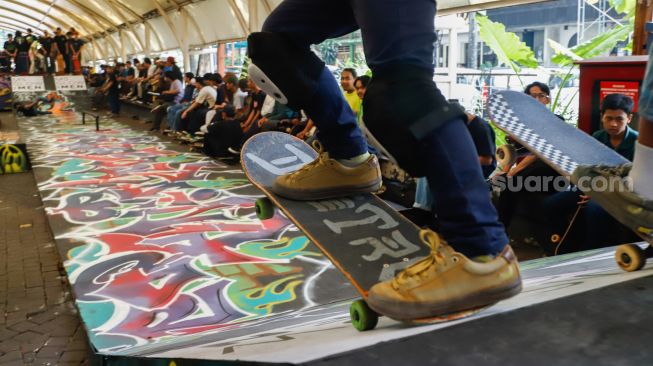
239, 16
35, 27
27, 25
81, 21
131, 27
93, 13
12, 27
56, 19
195, 25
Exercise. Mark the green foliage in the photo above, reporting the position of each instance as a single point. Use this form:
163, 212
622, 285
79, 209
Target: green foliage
329, 51
510, 50
596, 46
626, 7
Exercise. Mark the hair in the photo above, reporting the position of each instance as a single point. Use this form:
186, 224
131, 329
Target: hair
364, 79
543, 87
242, 84
229, 111
351, 71
136, 61
618, 101
147, 60
169, 74
199, 80
189, 75
69, 34
232, 80
217, 78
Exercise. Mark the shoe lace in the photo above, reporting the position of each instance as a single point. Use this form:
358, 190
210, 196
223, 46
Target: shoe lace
435, 258
322, 159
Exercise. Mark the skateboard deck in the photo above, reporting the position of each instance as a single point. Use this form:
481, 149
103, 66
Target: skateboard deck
560, 145
366, 239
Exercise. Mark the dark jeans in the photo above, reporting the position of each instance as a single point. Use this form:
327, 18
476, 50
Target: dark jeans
395, 33
114, 102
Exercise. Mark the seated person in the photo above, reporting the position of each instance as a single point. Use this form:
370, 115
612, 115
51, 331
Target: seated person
593, 226
190, 93
224, 137
169, 97
258, 98
195, 115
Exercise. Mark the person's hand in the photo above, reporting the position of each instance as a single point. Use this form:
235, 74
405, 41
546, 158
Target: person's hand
184, 114
583, 199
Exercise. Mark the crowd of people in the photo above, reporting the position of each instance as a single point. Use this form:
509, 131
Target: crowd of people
28, 53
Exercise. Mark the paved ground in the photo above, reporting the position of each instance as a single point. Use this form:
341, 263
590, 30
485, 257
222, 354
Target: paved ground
38, 321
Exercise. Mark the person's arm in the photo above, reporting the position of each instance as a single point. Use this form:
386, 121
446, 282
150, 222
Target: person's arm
525, 163
309, 125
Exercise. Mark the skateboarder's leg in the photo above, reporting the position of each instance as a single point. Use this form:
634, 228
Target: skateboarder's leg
282, 52
412, 119
284, 67
642, 171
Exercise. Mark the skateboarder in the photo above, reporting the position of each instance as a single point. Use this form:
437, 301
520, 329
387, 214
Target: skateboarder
410, 117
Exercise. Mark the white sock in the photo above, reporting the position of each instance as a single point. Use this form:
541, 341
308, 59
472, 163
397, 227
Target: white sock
642, 171
355, 161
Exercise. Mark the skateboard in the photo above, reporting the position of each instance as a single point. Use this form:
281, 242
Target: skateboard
565, 148
366, 239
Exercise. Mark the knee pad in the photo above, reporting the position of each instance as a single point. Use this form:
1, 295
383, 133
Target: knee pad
402, 106
282, 69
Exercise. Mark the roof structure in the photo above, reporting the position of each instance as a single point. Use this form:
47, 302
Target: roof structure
117, 28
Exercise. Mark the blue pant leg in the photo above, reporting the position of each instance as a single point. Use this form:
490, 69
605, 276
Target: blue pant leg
176, 119
423, 196
171, 113
469, 221
308, 22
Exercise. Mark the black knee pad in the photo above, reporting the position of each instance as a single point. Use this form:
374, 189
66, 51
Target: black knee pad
402, 106
283, 69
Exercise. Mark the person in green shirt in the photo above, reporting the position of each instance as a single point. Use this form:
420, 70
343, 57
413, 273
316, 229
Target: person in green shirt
347, 78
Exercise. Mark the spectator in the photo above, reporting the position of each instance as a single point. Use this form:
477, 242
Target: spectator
76, 46
11, 50
111, 90
240, 96
593, 227
22, 59
224, 138
616, 115
62, 56
68, 56
258, 97
206, 98
169, 97
347, 78
49, 51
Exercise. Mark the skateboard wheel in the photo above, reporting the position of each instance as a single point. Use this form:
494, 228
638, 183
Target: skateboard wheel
506, 155
264, 208
362, 317
630, 257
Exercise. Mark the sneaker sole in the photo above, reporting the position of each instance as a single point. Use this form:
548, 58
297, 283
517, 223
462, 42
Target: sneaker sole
337, 192
410, 311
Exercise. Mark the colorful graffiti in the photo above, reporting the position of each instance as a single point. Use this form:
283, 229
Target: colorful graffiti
162, 244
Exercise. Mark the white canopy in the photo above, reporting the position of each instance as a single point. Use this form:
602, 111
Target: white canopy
117, 28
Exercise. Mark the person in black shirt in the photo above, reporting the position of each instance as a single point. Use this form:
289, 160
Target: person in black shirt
10, 49
60, 58
22, 59
47, 49
76, 45
68, 56
110, 88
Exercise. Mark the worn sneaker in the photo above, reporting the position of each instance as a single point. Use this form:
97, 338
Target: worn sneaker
446, 282
327, 178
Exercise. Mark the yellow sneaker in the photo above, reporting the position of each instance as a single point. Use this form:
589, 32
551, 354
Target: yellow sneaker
446, 282
327, 178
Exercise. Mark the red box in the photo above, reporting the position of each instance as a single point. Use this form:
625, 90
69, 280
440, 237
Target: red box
601, 76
